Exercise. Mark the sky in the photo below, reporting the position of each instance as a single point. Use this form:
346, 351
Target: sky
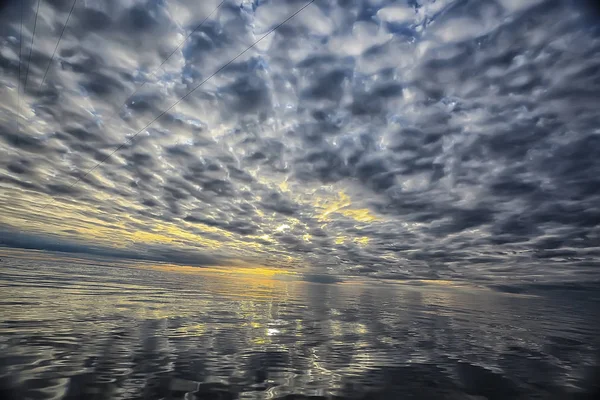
408, 139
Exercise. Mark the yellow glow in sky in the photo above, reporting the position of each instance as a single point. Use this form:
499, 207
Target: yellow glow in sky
341, 206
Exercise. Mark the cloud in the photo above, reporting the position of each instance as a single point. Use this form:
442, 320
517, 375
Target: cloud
151, 253
411, 139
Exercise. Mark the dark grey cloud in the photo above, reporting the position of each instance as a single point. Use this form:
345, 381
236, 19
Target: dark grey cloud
446, 139
241, 227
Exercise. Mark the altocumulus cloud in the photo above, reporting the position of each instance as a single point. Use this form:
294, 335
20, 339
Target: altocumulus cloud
405, 139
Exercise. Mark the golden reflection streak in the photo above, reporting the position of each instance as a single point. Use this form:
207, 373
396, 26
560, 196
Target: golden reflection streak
260, 271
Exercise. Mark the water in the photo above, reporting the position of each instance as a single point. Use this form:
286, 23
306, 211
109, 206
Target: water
74, 328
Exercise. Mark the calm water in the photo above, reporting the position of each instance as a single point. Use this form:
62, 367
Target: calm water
75, 329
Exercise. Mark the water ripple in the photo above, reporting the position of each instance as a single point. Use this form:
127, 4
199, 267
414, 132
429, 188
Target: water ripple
129, 332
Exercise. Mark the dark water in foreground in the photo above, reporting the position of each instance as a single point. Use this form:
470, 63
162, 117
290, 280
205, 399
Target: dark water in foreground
71, 329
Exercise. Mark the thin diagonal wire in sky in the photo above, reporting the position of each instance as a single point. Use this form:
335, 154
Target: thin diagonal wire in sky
31, 47
57, 43
183, 98
132, 94
188, 36
19, 78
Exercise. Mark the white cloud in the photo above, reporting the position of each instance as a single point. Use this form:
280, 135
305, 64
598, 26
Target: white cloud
353, 136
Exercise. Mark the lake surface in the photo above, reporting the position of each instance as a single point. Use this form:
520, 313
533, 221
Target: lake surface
74, 328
